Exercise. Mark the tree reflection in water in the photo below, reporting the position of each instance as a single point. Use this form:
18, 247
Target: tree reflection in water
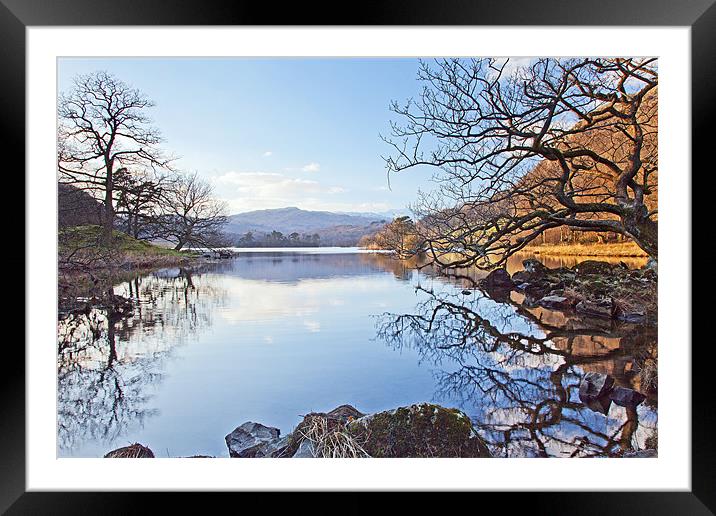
105, 380
517, 371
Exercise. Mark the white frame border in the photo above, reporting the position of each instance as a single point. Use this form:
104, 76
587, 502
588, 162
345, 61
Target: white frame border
672, 470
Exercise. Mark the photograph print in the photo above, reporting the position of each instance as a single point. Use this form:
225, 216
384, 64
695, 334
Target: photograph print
357, 257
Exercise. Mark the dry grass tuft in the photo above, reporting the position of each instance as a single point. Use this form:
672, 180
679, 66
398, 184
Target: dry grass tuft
330, 438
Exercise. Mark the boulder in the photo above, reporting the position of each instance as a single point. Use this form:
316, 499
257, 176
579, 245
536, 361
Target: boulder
626, 397
521, 277
557, 302
533, 266
498, 279
133, 451
601, 308
593, 267
345, 413
278, 447
595, 385
561, 273
632, 314
535, 289
421, 430
305, 450
251, 440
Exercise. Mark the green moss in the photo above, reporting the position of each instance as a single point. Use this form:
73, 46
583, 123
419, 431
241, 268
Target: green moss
91, 236
424, 430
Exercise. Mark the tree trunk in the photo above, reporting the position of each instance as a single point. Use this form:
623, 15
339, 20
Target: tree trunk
108, 207
645, 233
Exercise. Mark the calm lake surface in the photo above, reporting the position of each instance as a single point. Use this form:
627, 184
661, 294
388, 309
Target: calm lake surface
274, 334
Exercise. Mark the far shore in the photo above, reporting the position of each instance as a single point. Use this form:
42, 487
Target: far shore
610, 249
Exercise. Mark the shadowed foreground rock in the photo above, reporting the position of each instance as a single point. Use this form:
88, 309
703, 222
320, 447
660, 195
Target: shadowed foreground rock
421, 430
498, 279
133, 451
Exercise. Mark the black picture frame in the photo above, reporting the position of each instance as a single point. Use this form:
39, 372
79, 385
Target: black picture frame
700, 15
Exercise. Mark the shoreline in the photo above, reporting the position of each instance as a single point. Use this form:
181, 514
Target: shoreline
607, 250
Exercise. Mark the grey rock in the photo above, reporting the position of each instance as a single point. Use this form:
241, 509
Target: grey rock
305, 450
634, 314
558, 302
277, 447
625, 397
595, 385
251, 440
602, 308
531, 265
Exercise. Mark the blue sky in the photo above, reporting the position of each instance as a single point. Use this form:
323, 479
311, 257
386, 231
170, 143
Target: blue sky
271, 133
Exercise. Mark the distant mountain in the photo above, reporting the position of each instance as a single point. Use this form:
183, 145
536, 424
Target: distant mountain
295, 219
389, 214
332, 228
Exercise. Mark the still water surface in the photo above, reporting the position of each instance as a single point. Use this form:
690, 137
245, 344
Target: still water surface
274, 334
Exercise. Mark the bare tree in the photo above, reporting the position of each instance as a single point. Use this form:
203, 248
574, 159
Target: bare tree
193, 215
561, 142
103, 127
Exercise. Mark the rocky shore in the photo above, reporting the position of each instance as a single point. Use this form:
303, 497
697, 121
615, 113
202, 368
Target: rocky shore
419, 430
591, 288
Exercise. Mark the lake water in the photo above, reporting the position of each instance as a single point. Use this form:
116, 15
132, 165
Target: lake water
274, 334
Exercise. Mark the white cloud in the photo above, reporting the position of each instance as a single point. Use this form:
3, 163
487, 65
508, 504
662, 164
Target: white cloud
312, 326
245, 191
311, 167
267, 154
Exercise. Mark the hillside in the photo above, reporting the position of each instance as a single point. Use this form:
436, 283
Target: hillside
76, 207
342, 229
595, 180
